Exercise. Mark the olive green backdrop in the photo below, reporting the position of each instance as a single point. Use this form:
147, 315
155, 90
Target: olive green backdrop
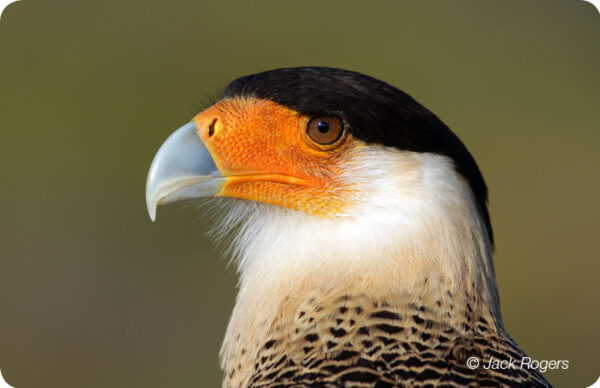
92, 294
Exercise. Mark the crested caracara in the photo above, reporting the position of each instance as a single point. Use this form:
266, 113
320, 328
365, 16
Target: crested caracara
362, 235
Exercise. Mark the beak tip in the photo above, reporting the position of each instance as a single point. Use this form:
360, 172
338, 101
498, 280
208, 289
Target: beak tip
151, 206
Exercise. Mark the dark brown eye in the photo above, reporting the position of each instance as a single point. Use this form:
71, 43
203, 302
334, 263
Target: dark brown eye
325, 129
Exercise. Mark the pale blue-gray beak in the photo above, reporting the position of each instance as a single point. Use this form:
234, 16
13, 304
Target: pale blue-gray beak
182, 169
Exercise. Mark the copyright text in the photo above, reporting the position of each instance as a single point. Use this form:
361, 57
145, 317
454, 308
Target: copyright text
513, 363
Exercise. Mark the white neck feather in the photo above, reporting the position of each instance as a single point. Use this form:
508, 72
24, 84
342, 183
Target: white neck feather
413, 227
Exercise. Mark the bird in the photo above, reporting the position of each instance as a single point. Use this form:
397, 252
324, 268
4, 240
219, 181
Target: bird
360, 230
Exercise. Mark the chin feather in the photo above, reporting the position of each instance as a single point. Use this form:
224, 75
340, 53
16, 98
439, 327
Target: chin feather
236, 223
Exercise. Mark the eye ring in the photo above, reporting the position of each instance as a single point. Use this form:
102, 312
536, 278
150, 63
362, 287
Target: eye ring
325, 130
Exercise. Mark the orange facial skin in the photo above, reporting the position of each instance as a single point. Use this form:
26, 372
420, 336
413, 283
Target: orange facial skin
265, 153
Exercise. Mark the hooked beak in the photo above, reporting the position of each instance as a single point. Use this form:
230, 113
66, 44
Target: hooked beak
182, 169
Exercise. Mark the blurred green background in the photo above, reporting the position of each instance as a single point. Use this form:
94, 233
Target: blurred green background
92, 294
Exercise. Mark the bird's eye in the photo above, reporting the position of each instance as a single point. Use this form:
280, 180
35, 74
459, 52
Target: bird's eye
325, 130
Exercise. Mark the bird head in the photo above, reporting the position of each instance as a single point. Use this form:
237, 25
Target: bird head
330, 167
296, 138
256, 149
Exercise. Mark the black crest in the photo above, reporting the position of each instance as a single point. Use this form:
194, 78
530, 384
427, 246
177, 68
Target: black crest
375, 111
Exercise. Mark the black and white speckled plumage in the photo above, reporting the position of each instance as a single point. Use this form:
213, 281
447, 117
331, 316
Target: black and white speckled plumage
361, 342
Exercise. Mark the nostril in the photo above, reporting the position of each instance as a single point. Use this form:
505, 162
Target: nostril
211, 128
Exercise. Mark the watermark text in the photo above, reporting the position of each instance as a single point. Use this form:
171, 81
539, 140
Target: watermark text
514, 363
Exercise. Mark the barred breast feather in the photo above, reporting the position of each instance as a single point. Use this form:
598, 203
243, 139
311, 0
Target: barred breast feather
357, 341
